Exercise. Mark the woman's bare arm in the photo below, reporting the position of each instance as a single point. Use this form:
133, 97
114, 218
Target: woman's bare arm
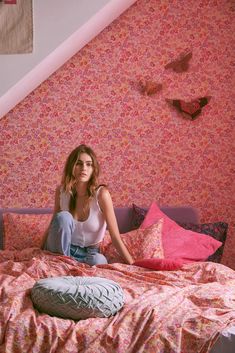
57, 200
106, 205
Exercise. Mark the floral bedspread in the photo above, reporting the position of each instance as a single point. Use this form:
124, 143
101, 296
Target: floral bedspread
179, 311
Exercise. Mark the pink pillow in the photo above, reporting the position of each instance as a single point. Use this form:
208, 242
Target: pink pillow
179, 242
141, 243
23, 231
160, 264
105, 242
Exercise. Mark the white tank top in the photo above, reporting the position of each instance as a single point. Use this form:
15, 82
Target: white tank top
92, 230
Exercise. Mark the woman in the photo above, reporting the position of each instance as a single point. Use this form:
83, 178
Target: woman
82, 211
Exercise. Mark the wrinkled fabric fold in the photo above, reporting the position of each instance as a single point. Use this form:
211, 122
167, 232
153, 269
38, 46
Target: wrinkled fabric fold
164, 311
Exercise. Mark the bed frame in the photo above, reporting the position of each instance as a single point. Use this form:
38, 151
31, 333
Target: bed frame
226, 340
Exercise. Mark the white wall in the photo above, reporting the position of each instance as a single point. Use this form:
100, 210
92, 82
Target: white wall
61, 28
54, 21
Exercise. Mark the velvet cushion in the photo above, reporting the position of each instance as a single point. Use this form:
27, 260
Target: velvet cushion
217, 230
138, 216
76, 298
23, 231
141, 243
160, 264
179, 243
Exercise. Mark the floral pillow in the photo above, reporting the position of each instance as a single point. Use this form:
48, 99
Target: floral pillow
105, 242
23, 231
141, 243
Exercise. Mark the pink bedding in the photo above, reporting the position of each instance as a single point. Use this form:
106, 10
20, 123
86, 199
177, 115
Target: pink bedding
179, 311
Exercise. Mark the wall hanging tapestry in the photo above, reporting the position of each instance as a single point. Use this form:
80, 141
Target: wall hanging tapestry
16, 27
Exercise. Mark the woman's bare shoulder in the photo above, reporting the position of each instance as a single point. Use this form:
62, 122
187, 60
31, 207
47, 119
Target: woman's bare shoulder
103, 191
104, 198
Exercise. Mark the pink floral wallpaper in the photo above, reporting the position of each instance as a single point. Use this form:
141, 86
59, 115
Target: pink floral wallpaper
146, 149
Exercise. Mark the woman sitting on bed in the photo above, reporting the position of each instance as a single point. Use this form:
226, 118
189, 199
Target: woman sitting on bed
81, 212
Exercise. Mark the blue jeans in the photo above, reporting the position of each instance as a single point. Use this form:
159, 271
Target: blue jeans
59, 241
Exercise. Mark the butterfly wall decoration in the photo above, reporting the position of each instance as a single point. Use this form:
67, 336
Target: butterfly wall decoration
149, 88
180, 64
189, 110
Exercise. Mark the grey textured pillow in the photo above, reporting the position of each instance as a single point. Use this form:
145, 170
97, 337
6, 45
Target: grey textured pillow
75, 297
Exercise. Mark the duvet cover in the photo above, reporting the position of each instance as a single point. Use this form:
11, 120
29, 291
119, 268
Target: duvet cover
181, 311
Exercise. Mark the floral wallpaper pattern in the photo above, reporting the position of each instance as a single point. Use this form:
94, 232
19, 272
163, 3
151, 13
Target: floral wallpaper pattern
146, 149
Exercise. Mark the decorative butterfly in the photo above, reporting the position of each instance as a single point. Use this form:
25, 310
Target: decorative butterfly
189, 110
181, 64
149, 88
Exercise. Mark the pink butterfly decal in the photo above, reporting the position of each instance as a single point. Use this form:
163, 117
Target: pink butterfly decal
181, 64
189, 110
149, 88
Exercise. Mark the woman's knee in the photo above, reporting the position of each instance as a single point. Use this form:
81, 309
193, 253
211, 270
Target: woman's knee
96, 259
63, 219
60, 231
63, 216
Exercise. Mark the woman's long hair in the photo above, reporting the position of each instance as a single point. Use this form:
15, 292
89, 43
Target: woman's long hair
68, 181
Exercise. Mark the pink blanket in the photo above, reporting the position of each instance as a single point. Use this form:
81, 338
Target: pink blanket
166, 311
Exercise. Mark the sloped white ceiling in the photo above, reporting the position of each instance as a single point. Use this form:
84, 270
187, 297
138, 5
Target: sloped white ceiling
61, 28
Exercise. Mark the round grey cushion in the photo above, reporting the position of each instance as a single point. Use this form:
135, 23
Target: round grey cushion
76, 298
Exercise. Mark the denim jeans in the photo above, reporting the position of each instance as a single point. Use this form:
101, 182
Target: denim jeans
59, 241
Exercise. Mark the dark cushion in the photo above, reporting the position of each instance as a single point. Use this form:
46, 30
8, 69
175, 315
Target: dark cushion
138, 216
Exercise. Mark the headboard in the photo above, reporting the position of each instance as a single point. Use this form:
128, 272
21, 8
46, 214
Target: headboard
123, 214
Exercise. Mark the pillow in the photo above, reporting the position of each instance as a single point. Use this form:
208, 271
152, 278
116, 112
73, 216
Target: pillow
217, 230
178, 242
105, 242
160, 264
141, 243
23, 231
138, 216
74, 297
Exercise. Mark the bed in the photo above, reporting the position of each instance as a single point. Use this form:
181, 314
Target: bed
185, 307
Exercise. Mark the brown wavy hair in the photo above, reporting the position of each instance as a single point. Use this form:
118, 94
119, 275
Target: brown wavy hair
68, 181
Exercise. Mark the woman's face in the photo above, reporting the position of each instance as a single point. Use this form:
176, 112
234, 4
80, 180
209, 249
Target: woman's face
83, 168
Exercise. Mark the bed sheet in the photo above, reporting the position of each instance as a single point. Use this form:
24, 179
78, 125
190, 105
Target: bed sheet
179, 311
